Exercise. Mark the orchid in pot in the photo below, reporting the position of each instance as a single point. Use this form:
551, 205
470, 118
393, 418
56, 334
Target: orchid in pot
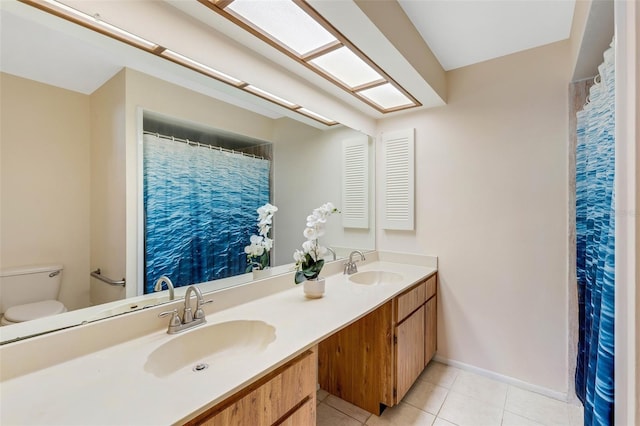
309, 260
260, 245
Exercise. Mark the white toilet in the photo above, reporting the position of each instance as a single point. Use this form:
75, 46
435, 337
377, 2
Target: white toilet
30, 292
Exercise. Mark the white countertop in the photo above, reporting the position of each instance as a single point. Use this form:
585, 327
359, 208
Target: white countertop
111, 386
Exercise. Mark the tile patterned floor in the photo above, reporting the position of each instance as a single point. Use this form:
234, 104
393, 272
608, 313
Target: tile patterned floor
448, 396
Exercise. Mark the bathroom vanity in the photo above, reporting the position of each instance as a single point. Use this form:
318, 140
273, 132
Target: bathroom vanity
260, 345
287, 396
375, 360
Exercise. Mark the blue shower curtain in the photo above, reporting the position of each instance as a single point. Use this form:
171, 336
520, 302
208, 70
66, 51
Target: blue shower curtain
595, 230
200, 210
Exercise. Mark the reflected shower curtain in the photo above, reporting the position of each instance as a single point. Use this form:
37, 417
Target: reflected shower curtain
595, 230
200, 210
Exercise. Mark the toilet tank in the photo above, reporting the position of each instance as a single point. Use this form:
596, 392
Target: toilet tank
28, 284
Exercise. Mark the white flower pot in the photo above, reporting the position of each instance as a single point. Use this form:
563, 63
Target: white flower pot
314, 289
259, 274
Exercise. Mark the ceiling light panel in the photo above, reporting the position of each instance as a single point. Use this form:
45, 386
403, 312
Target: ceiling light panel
387, 96
284, 21
183, 60
347, 67
316, 116
257, 91
296, 29
94, 22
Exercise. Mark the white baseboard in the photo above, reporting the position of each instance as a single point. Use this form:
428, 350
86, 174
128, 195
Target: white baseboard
561, 396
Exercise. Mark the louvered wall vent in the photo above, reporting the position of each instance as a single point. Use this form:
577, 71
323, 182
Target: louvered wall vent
355, 182
398, 164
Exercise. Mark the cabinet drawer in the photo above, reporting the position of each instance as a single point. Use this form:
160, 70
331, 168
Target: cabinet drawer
303, 416
431, 286
410, 300
268, 401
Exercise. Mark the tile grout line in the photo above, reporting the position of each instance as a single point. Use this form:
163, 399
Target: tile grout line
347, 414
504, 404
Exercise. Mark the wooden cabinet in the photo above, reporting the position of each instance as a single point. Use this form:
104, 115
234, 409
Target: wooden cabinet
431, 330
355, 363
305, 415
373, 362
285, 396
431, 319
409, 352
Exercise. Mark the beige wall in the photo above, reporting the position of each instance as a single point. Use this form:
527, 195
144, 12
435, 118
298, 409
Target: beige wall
491, 191
108, 234
303, 154
44, 204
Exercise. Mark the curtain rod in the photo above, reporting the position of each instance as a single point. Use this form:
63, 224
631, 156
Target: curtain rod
202, 145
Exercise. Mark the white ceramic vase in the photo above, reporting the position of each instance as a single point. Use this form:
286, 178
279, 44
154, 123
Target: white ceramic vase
314, 289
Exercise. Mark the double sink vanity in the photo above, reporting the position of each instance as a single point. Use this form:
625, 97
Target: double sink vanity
256, 359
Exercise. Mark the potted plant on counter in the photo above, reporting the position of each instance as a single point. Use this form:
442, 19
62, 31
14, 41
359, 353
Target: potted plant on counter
309, 260
258, 251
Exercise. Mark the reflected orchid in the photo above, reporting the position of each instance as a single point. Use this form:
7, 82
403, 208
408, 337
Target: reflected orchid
260, 245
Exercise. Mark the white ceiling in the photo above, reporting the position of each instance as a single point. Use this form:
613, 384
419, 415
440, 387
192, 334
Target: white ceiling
459, 32
52, 57
465, 32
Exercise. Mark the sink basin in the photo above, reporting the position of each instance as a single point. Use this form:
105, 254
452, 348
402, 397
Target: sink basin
209, 344
375, 277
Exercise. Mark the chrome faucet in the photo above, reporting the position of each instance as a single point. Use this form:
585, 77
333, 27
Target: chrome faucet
189, 318
333, 252
164, 279
350, 266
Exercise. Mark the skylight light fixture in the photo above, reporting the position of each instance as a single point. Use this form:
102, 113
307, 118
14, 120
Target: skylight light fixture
316, 116
299, 31
285, 22
347, 67
387, 96
95, 23
183, 60
270, 96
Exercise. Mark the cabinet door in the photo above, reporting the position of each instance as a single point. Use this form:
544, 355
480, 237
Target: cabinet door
431, 330
356, 363
410, 338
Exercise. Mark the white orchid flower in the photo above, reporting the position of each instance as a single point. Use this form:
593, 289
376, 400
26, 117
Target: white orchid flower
265, 220
264, 230
308, 246
316, 227
310, 233
298, 256
267, 243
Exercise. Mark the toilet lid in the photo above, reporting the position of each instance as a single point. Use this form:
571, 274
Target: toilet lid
35, 310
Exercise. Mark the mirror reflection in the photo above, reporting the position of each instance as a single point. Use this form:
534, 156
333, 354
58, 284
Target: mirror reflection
73, 172
201, 196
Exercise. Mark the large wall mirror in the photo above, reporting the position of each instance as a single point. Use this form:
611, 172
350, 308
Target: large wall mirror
73, 107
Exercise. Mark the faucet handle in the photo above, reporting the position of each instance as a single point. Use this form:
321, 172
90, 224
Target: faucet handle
175, 318
199, 312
